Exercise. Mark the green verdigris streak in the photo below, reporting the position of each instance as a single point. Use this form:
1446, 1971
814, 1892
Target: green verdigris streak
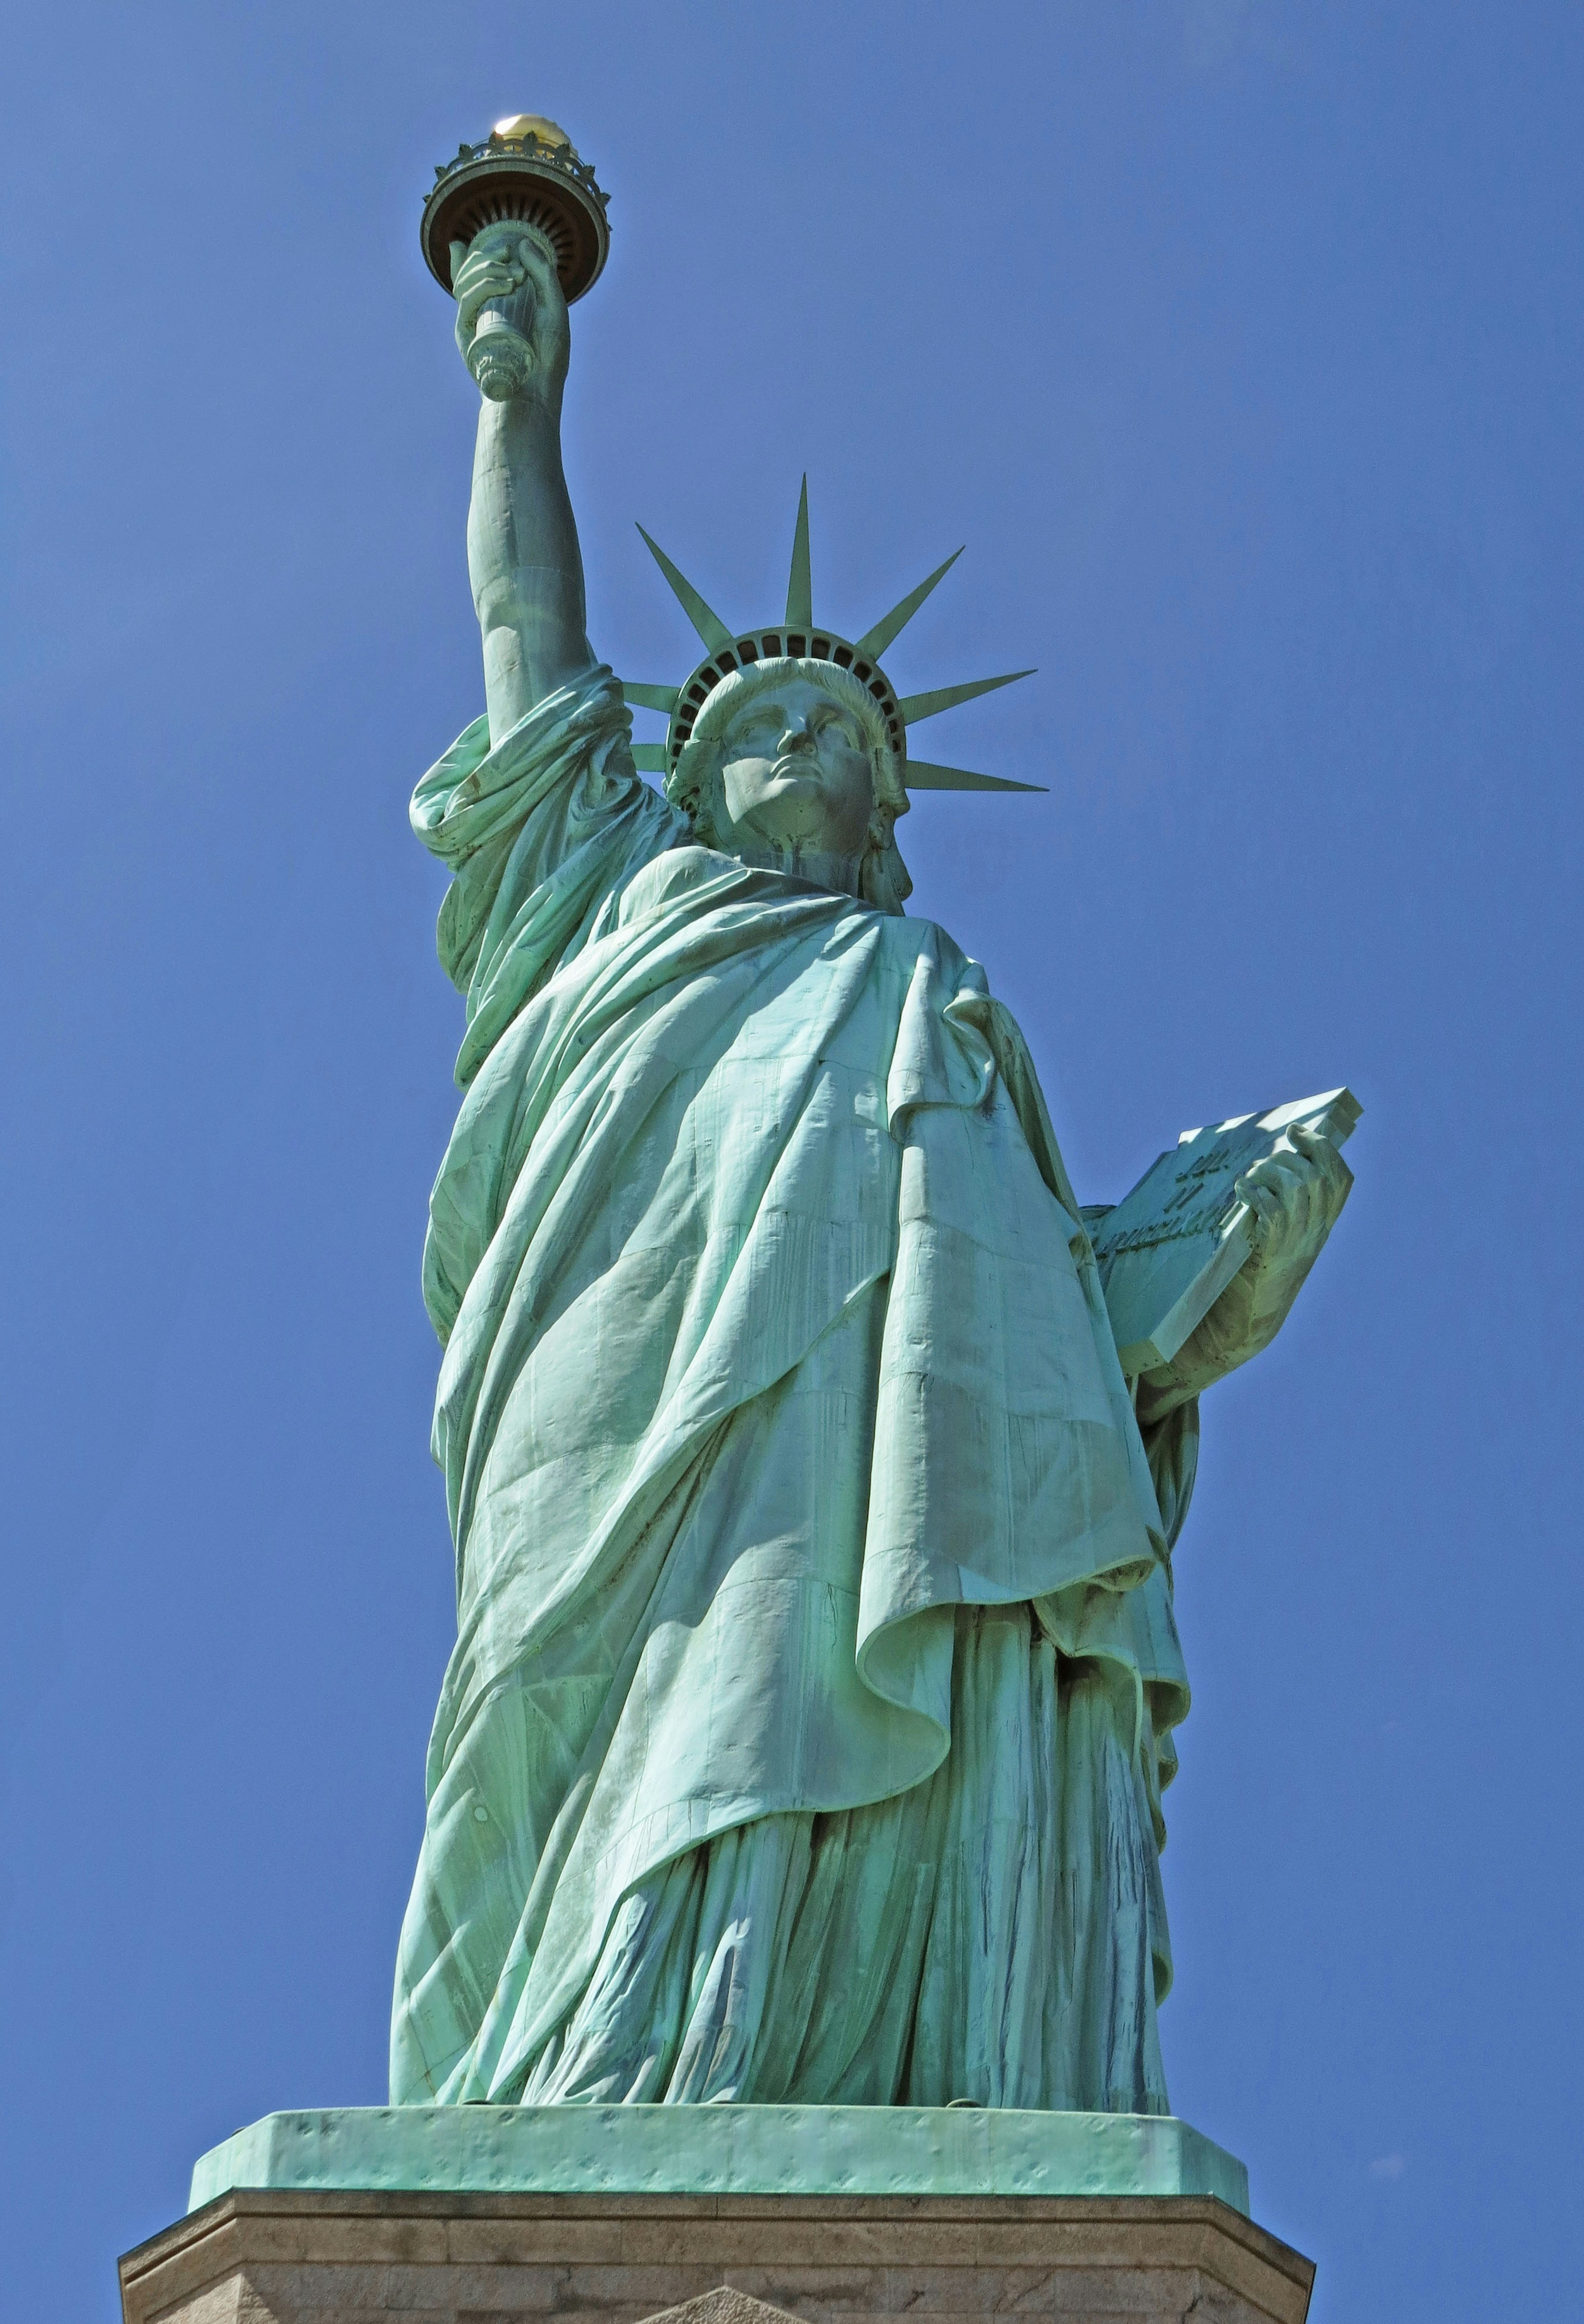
805, 1735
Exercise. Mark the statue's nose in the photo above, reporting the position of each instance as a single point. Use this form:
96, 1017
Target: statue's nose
797, 736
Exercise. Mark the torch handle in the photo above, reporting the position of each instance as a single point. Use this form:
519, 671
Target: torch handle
502, 354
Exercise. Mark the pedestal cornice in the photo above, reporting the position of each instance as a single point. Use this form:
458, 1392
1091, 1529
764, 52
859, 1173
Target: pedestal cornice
289, 2256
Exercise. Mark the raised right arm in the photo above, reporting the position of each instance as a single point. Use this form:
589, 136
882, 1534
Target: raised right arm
522, 555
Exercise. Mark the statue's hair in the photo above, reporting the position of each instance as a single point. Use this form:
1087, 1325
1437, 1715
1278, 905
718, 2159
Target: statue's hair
694, 783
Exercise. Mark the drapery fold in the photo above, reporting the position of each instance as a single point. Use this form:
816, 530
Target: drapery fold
773, 1338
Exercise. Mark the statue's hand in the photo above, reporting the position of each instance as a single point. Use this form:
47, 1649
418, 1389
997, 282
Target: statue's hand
1294, 1198
513, 263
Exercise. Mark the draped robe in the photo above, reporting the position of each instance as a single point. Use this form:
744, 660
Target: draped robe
810, 1705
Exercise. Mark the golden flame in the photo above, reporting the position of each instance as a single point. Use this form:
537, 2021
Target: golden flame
532, 124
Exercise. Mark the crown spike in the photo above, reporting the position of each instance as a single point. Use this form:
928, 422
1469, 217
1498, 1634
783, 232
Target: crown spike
800, 588
915, 707
663, 698
920, 775
709, 625
873, 642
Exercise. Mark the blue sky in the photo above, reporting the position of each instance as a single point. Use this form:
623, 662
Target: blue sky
1240, 342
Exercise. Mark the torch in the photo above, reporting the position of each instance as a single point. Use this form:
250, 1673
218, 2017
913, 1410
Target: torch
527, 172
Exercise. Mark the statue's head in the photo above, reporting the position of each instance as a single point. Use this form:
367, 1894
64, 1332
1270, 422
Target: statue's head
788, 744
794, 756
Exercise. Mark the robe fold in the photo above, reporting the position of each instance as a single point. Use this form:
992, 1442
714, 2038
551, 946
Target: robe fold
813, 1586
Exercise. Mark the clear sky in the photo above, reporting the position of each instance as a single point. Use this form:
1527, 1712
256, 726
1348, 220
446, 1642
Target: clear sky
1240, 341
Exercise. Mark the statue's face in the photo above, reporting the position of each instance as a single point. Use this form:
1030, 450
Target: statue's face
795, 770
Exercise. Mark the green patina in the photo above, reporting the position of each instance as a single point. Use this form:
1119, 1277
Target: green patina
731, 2150
806, 1733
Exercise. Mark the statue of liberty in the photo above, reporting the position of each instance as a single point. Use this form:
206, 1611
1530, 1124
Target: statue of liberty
816, 1674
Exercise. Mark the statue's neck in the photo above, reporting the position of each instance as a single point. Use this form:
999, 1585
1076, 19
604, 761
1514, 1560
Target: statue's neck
837, 873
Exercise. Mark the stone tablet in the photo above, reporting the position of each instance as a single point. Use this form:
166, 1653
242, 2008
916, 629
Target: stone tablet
1170, 1247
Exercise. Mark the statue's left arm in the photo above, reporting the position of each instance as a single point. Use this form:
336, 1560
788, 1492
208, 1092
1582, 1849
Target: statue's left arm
1294, 1198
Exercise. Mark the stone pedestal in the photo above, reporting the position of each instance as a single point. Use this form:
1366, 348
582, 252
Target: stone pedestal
849, 2236
297, 2258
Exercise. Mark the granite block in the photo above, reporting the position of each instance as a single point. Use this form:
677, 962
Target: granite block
326, 2256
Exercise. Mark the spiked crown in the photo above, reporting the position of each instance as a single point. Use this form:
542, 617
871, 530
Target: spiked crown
801, 637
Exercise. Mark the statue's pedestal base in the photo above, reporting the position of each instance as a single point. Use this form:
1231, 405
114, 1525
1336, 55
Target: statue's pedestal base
1025, 2215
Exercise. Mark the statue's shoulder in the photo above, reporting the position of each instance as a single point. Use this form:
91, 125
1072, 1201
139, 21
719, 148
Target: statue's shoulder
917, 944
685, 877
